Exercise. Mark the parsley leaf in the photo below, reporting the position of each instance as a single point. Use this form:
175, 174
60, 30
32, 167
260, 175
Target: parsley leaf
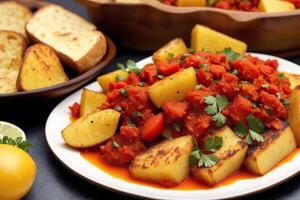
177, 127
213, 143
231, 55
120, 78
115, 144
141, 84
124, 92
18, 142
256, 137
130, 67
281, 76
255, 124
118, 108
197, 87
192, 51
208, 160
121, 66
137, 114
241, 129
285, 102
214, 107
170, 55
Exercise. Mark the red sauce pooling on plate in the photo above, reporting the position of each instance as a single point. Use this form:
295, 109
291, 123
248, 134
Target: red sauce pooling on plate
93, 157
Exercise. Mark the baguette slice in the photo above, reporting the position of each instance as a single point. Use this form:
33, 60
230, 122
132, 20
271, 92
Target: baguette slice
12, 48
76, 41
41, 68
14, 16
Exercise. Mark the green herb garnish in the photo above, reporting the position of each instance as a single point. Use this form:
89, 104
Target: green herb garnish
213, 143
214, 107
137, 114
118, 108
18, 142
130, 67
124, 92
281, 76
177, 127
115, 144
231, 55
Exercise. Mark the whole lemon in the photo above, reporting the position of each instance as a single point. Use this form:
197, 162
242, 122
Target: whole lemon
17, 172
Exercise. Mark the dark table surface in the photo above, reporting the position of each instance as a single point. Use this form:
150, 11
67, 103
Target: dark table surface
54, 181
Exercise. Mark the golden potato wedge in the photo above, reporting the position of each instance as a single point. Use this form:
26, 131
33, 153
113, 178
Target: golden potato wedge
294, 113
174, 87
111, 77
173, 48
231, 156
204, 38
90, 101
191, 3
91, 130
263, 157
40, 68
293, 78
165, 163
275, 6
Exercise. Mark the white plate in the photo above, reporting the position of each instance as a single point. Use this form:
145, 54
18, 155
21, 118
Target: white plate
59, 119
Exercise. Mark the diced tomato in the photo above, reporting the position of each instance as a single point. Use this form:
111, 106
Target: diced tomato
133, 79
153, 127
175, 110
239, 109
150, 73
196, 98
117, 85
196, 124
228, 85
249, 90
75, 110
272, 105
247, 70
204, 77
167, 68
217, 71
191, 61
138, 97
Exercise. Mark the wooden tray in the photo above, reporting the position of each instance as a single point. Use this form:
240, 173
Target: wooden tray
149, 24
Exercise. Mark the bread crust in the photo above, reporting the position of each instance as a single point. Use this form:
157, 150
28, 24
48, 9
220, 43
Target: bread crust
86, 62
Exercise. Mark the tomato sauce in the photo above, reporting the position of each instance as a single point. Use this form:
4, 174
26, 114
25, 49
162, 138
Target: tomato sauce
122, 173
248, 5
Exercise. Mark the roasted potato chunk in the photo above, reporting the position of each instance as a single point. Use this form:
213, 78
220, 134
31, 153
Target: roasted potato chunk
90, 101
293, 78
111, 77
174, 87
91, 130
172, 48
191, 3
294, 113
231, 156
204, 38
165, 163
275, 6
263, 157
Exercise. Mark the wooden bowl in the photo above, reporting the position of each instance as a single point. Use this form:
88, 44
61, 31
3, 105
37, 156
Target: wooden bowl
149, 24
58, 90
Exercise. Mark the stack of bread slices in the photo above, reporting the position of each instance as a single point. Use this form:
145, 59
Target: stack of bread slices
35, 48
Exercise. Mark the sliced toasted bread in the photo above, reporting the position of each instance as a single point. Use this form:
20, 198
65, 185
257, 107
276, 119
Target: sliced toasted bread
8, 79
40, 68
12, 48
13, 16
77, 42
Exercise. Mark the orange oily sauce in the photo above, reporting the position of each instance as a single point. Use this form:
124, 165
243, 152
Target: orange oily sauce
93, 156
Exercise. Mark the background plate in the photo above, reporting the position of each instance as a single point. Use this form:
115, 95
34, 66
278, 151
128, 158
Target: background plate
59, 119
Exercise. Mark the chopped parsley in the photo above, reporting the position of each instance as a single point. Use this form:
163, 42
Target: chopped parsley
235, 72
141, 84
120, 78
285, 102
213, 143
18, 142
177, 127
170, 55
281, 76
137, 114
199, 159
253, 133
118, 108
197, 87
214, 107
130, 67
124, 92
115, 144
192, 51
231, 55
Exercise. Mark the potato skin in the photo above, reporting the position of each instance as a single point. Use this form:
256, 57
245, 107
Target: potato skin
263, 157
92, 129
90, 101
165, 163
231, 156
111, 77
213, 41
174, 47
294, 113
174, 87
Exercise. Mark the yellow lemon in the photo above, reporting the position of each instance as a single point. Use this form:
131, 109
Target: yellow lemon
17, 172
